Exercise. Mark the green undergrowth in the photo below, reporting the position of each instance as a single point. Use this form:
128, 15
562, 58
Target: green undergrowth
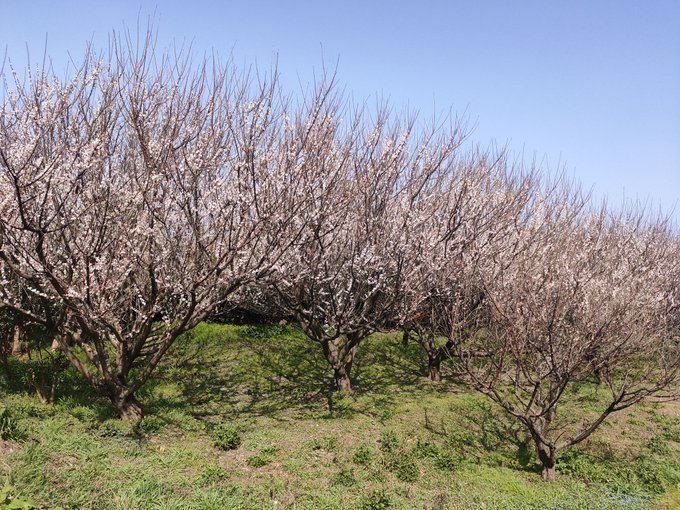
242, 417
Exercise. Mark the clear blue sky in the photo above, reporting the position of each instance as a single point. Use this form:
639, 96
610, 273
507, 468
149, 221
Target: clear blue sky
590, 86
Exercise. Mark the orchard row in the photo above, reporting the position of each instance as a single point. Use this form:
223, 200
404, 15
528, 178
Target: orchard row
146, 191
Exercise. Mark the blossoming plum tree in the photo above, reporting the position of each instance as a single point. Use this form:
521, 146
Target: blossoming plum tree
344, 276
137, 196
574, 294
456, 226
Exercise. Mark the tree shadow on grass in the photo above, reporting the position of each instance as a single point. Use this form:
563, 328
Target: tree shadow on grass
72, 391
479, 431
300, 378
261, 371
276, 370
384, 365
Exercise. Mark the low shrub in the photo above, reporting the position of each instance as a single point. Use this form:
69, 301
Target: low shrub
363, 455
265, 457
376, 500
117, 428
9, 427
330, 444
344, 478
226, 436
389, 442
149, 425
212, 474
406, 469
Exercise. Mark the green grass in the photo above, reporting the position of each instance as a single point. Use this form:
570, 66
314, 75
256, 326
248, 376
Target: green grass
243, 418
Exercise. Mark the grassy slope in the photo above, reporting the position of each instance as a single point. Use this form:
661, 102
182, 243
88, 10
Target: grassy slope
400, 442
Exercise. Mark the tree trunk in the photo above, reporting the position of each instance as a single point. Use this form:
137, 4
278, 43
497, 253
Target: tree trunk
547, 457
341, 376
434, 368
122, 398
547, 452
17, 346
128, 407
599, 375
435, 354
46, 393
341, 358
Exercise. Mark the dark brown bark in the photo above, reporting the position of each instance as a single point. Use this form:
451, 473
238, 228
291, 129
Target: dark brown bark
599, 373
547, 457
4, 353
341, 376
546, 451
340, 354
405, 336
435, 354
434, 368
46, 392
110, 378
122, 396
128, 407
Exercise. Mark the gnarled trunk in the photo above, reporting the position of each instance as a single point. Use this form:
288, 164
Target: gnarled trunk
46, 391
341, 356
547, 451
434, 368
44, 380
122, 396
128, 407
435, 354
341, 377
404, 337
599, 373
547, 457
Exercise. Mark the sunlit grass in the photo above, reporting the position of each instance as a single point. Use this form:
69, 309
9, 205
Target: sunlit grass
398, 442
